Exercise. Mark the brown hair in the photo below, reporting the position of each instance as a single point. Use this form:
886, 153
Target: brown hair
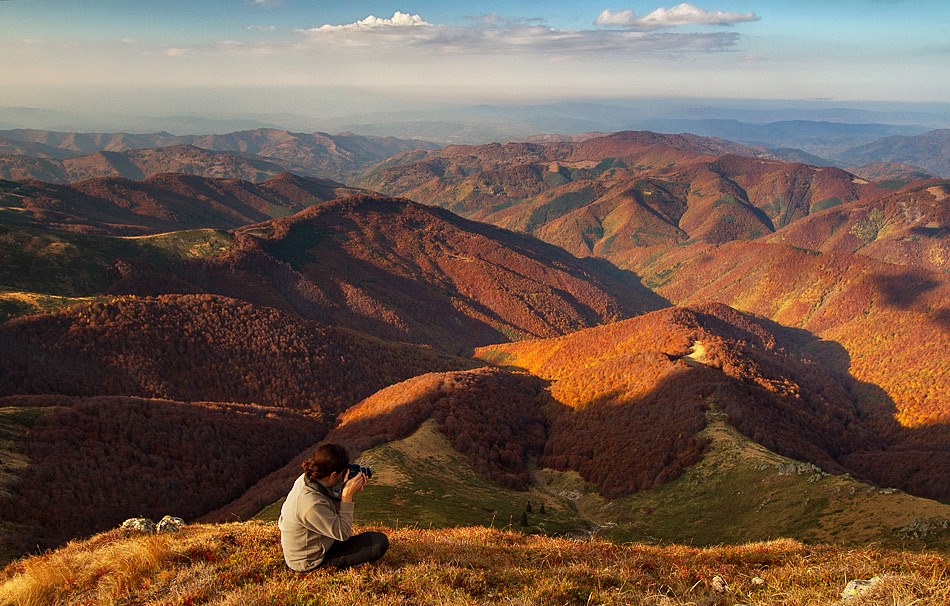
327, 459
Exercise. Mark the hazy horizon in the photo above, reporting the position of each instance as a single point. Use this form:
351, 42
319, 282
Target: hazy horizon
320, 63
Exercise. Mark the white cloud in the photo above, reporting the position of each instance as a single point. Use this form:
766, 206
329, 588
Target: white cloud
493, 35
609, 17
177, 52
261, 28
681, 14
372, 22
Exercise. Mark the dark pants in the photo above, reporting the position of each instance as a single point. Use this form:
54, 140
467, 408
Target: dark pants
358, 549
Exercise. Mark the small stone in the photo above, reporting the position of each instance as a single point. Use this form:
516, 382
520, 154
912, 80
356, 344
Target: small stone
859, 587
719, 585
757, 582
170, 524
140, 525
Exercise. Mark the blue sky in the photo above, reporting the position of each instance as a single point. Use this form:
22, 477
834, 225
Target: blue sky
58, 51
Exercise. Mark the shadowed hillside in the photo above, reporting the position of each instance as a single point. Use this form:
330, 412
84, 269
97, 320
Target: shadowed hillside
75, 466
203, 348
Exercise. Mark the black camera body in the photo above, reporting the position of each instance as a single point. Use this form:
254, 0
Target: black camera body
356, 470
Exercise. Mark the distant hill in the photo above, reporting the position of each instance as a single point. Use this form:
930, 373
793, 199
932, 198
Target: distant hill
160, 203
819, 137
626, 196
11, 147
930, 151
267, 151
891, 174
791, 154
909, 227
140, 164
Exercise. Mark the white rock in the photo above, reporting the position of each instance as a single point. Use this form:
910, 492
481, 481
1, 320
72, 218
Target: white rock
859, 587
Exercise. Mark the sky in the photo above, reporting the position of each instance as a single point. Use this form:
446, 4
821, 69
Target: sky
272, 55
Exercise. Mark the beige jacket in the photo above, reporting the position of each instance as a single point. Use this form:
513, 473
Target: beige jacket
310, 520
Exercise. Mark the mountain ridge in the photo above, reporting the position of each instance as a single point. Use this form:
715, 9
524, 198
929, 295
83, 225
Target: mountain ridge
338, 157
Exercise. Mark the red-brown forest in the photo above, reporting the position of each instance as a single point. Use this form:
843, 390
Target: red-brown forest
203, 348
94, 462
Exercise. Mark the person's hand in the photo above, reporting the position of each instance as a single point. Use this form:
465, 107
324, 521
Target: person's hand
353, 485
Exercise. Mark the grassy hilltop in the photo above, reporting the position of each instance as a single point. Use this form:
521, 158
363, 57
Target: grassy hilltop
241, 563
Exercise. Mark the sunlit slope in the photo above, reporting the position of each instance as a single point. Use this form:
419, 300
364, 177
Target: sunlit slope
890, 319
909, 227
633, 394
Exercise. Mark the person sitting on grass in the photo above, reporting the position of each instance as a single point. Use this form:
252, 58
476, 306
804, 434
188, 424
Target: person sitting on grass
316, 525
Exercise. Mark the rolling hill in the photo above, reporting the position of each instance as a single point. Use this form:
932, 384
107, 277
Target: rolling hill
825, 138
160, 203
930, 151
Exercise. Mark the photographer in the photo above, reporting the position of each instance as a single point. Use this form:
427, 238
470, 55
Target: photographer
316, 524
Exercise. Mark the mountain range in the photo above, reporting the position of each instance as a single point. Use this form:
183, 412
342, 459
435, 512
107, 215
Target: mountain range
625, 196
604, 312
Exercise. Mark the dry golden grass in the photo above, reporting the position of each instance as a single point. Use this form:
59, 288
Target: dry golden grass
241, 564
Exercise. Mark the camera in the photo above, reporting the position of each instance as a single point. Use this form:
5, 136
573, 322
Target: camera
356, 470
